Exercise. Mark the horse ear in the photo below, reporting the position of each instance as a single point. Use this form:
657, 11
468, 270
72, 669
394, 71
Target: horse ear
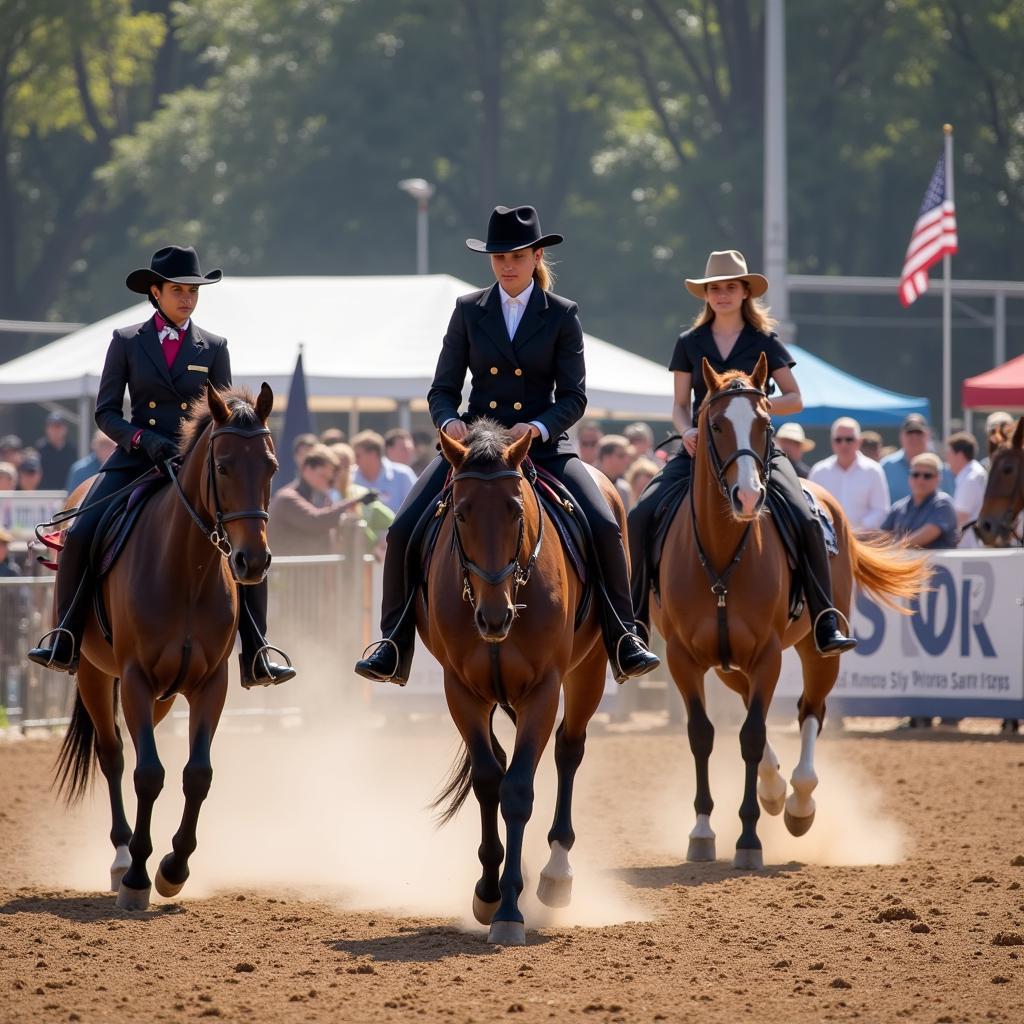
218, 407
265, 403
454, 451
760, 375
1018, 434
712, 381
518, 450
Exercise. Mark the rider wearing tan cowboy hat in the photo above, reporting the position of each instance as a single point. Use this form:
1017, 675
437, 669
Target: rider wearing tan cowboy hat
732, 331
165, 362
523, 347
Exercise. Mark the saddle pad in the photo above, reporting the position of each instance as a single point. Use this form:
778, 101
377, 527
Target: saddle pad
826, 524
117, 523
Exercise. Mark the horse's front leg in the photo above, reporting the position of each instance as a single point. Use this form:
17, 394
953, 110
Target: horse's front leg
205, 706
536, 719
137, 700
753, 738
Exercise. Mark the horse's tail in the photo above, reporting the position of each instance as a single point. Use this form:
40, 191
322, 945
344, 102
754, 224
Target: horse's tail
887, 570
459, 782
73, 771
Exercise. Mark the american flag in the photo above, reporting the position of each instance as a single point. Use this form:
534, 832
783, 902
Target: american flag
933, 237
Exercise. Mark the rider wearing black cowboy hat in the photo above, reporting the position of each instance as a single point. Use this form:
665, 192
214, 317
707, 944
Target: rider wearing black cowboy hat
523, 346
732, 331
165, 362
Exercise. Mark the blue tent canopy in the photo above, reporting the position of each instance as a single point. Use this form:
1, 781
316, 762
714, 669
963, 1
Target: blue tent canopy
829, 393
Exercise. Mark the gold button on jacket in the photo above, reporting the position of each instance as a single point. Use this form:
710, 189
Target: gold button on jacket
152, 423
517, 406
494, 371
184, 406
152, 405
494, 405
519, 372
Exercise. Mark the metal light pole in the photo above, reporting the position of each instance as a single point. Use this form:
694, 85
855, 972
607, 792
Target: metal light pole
420, 190
776, 237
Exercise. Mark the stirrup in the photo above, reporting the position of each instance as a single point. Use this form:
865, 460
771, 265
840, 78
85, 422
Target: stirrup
375, 646
56, 631
262, 650
621, 675
817, 619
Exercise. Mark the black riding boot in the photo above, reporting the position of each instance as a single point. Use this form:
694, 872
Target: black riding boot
828, 637
391, 659
256, 666
59, 649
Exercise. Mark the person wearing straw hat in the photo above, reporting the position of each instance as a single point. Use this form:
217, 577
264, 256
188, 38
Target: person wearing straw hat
791, 439
523, 346
165, 362
732, 331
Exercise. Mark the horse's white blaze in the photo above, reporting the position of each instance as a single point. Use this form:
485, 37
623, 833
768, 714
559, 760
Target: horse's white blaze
804, 780
771, 785
558, 865
740, 413
702, 829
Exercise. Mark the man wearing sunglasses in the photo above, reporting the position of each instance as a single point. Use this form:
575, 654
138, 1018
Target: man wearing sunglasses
855, 481
926, 518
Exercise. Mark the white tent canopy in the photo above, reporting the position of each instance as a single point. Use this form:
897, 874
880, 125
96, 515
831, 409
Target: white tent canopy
362, 338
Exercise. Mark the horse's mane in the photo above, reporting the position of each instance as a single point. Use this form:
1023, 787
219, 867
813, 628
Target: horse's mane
487, 440
240, 401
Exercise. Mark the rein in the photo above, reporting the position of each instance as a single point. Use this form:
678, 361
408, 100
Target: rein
719, 581
520, 576
216, 534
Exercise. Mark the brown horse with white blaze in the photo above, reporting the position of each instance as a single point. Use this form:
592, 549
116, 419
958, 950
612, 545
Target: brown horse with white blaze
499, 614
173, 610
725, 600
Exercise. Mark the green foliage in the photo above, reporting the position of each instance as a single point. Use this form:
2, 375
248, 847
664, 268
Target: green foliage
272, 134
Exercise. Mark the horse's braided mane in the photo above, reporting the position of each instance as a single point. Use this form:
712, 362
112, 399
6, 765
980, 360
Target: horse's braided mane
486, 441
240, 401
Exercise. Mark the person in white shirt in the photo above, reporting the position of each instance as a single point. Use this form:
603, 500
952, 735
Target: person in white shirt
855, 481
970, 480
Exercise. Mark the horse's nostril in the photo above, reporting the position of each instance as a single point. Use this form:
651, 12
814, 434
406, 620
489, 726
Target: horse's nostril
240, 563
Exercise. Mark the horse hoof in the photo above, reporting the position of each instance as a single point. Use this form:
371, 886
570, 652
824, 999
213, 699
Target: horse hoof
773, 806
748, 860
701, 850
554, 892
132, 899
165, 888
507, 933
122, 861
798, 826
484, 912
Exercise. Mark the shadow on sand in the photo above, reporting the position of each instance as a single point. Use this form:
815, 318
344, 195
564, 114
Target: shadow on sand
85, 909
693, 875
424, 944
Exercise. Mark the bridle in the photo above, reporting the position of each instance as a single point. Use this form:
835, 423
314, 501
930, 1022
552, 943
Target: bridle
719, 581
520, 574
216, 534
1004, 525
720, 465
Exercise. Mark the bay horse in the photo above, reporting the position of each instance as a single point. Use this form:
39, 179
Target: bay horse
725, 598
498, 613
1003, 503
173, 612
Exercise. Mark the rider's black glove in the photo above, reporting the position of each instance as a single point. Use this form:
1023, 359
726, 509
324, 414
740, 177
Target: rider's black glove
157, 447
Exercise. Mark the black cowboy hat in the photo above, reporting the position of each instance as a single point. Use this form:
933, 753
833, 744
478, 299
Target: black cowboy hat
512, 228
174, 264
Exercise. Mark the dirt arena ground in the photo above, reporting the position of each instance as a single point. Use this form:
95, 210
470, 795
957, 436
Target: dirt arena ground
321, 892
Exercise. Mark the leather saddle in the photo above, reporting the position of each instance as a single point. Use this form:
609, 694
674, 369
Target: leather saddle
782, 516
569, 523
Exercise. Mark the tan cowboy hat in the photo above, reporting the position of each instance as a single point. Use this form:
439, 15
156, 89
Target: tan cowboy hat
727, 266
794, 432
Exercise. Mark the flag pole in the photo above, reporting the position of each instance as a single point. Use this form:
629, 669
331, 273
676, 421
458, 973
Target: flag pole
947, 289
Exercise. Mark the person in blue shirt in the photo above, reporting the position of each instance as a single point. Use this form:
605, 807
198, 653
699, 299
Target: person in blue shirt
926, 518
391, 480
102, 449
915, 438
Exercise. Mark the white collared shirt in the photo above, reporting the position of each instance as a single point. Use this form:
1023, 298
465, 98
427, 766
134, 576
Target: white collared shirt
968, 495
512, 308
861, 489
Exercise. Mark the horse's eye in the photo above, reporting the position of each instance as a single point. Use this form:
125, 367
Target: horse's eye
459, 517
716, 428
222, 469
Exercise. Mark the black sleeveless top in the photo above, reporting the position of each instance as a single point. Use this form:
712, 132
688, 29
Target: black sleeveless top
699, 343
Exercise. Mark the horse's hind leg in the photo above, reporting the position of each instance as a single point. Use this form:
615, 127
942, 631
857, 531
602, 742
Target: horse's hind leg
137, 697
205, 708
820, 675
536, 719
583, 691
701, 733
99, 695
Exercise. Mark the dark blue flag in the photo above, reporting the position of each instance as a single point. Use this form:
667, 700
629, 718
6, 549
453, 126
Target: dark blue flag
297, 420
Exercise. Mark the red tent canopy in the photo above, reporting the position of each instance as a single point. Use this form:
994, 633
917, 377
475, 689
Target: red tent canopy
1001, 388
